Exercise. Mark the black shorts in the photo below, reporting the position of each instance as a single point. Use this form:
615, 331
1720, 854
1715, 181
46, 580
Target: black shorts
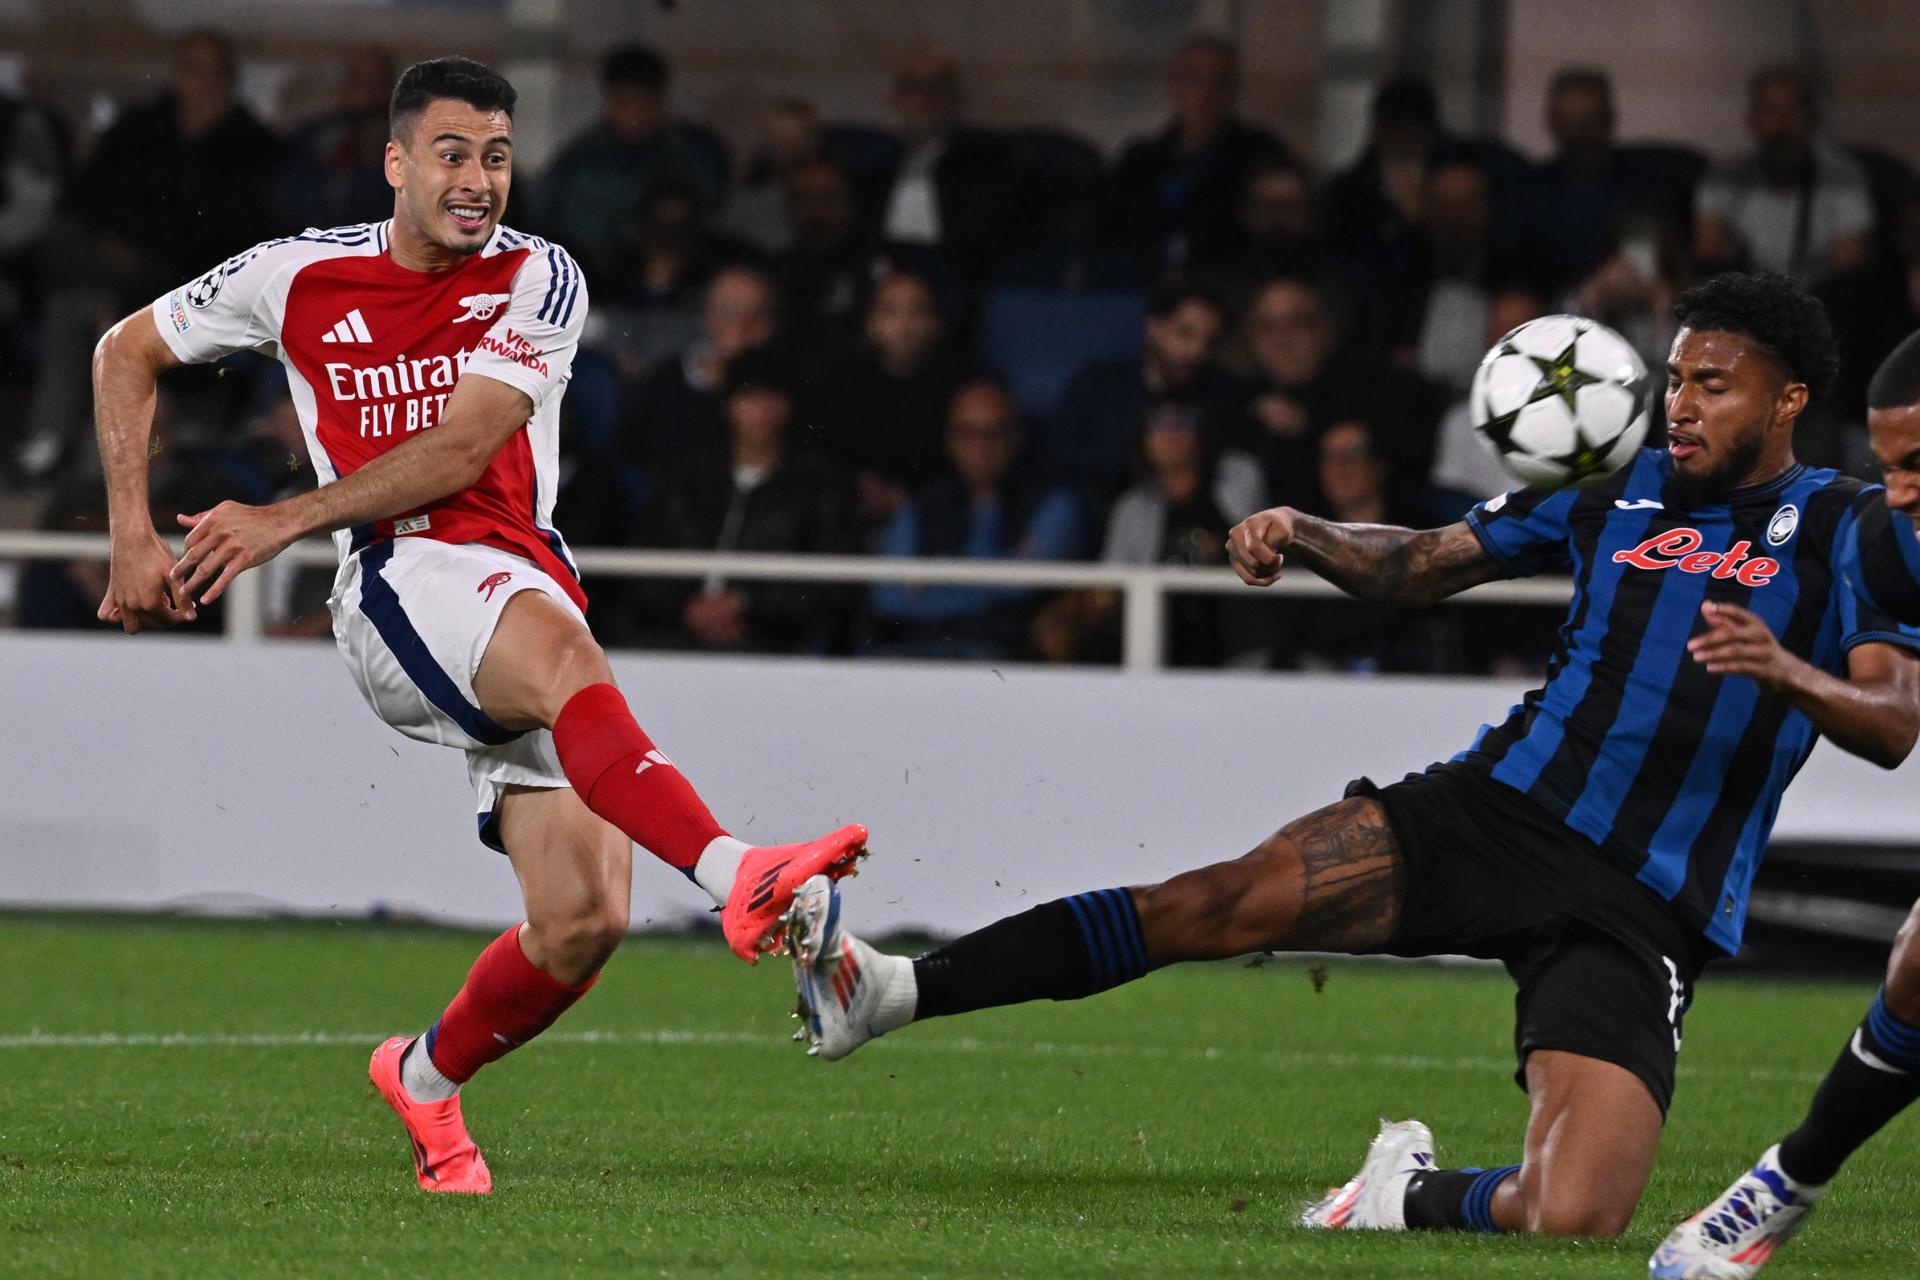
1604, 965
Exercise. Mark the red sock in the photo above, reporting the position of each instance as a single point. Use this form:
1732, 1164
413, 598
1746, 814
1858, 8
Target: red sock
505, 1003
614, 767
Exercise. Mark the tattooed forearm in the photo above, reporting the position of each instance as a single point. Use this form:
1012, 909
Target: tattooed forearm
1387, 565
1352, 879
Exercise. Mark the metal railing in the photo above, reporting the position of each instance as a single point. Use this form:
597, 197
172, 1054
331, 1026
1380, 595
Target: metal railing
1143, 589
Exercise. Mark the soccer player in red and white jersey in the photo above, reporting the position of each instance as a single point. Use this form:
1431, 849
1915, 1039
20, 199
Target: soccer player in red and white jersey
427, 356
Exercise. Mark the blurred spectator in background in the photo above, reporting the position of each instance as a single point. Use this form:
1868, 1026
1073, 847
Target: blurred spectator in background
173, 186
678, 407
984, 509
1592, 198
170, 190
1277, 235
1179, 192
760, 493
1874, 307
667, 256
884, 414
33, 176
589, 194
1435, 310
757, 212
1302, 382
335, 170
1097, 418
1371, 207
1358, 487
955, 189
831, 264
1187, 494
1795, 204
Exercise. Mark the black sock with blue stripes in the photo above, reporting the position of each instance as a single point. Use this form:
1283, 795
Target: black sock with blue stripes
1454, 1199
1060, 951
1876, 1077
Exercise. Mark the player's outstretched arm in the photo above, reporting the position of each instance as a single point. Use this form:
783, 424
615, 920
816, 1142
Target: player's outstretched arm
127, 364
1874, 713
482, 415
1374, 562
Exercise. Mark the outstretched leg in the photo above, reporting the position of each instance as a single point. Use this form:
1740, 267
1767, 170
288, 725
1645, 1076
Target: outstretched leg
1331, 881
543, 669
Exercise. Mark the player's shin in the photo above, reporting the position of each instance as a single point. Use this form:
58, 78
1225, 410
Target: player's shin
1876, 1077
621, 776
1063, 950
505, 1002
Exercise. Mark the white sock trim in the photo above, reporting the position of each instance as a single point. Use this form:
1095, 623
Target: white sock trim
899, 996
423, 1081
717, 866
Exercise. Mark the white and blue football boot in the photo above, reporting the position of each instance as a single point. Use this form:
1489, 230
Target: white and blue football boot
1732, 1238
849, 993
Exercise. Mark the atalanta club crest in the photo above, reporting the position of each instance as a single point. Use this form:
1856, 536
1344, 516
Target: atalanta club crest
1781, 527
202, 292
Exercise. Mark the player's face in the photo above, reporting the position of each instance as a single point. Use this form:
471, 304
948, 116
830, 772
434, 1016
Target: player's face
451, 174
1896, 443
1730, 413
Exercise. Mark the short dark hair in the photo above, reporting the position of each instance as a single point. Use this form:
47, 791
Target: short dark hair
636, 65
1788, 322
1896, 383
1406, 100
1170, 295
1580, 77
461, 79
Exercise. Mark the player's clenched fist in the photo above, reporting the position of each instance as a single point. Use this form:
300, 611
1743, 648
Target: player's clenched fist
1257, 545
224, 541
139, 592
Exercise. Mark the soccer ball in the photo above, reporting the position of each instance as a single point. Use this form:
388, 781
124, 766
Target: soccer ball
1561, 401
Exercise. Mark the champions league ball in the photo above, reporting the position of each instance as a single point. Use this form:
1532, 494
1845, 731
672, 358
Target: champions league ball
1561, 401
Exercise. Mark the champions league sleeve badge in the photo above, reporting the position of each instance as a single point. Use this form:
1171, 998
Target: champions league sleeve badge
202, 292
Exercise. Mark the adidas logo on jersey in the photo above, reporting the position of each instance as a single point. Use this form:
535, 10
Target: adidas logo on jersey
351, 329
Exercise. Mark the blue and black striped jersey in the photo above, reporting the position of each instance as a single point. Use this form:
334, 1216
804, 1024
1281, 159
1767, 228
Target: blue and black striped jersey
1880, 555
1677, 774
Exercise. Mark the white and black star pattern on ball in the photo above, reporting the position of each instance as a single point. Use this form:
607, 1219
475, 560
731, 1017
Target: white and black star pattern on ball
1561, 401
201, 293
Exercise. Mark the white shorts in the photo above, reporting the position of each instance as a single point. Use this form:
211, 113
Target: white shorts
413, 617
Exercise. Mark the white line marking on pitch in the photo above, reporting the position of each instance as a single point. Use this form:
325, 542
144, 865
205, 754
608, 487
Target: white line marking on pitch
963, 1045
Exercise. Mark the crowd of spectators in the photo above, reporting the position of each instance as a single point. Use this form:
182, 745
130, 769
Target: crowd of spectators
919, 336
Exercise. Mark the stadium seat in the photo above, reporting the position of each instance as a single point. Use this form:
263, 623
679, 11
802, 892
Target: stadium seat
1038, 337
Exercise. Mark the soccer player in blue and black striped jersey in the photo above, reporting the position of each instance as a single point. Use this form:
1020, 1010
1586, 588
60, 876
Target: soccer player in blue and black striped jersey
1877, 1074
1600, 841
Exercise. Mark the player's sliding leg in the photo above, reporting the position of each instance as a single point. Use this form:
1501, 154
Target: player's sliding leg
1329, 882
544, 669
1876, 1076
575, 876
1590, 1145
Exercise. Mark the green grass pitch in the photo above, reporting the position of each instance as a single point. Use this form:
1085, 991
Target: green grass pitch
668, 1128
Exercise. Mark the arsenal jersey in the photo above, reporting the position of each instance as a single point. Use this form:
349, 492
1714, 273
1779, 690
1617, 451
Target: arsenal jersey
372, 351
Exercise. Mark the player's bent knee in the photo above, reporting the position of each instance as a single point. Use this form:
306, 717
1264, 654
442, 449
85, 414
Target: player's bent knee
1563, 1216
